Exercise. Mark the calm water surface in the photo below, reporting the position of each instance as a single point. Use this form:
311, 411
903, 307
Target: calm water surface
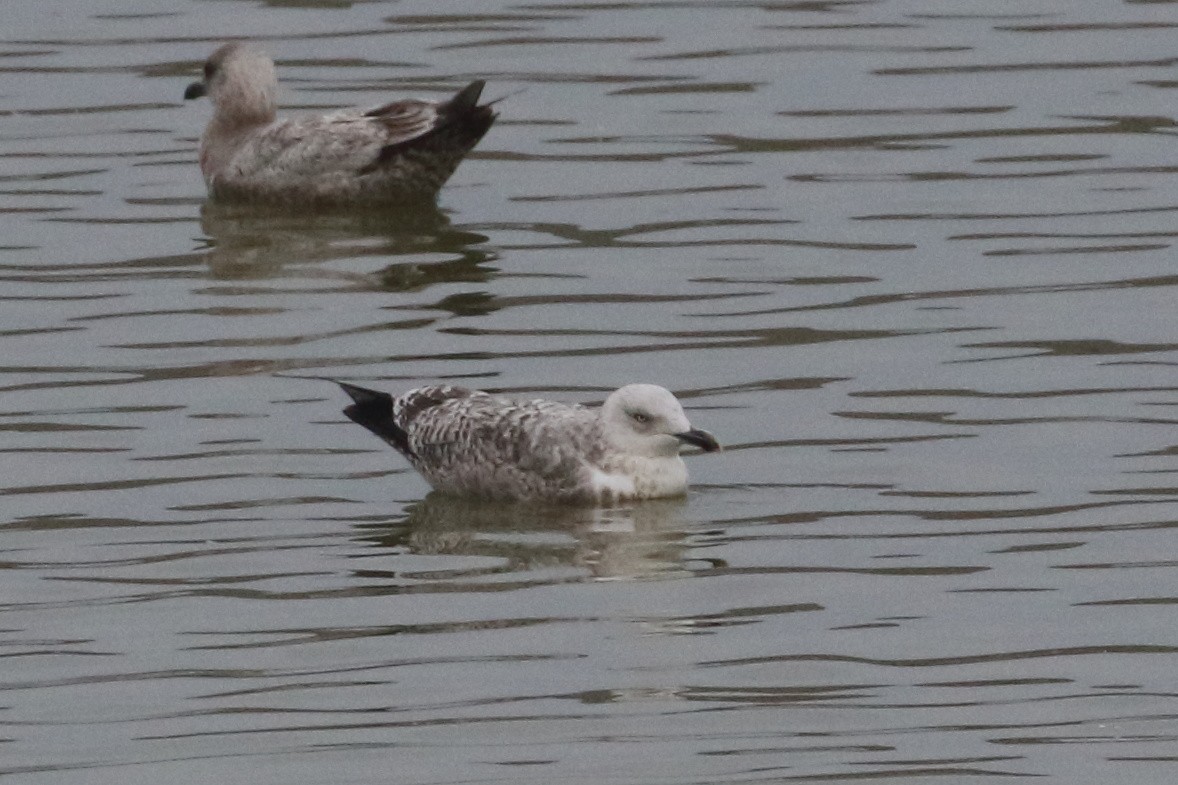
913, 262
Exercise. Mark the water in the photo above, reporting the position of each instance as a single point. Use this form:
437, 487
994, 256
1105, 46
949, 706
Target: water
911, 262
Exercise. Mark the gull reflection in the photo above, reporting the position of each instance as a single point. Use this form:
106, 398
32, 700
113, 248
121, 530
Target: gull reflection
641, 540
245, 242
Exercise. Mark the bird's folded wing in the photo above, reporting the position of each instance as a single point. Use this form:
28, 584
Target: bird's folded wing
480, 436
341, 143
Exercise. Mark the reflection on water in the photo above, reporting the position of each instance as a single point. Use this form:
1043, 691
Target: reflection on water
252, 243
914, 263
646, 540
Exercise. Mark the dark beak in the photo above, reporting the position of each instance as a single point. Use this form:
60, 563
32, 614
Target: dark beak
194, 90
701, 439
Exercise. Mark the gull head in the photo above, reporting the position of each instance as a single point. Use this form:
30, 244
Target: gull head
241, 83
647, 420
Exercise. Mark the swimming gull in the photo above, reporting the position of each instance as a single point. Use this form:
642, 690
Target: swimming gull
398, 152
471, 443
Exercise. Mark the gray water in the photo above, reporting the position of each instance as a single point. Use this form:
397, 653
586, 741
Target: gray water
912, 262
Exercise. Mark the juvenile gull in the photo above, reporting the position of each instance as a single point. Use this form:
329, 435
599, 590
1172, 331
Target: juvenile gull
471, 443
400, 151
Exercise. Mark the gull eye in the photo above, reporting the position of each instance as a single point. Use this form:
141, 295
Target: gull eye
210, 69
640, 417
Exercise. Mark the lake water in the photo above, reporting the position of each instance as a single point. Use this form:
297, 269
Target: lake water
911, 261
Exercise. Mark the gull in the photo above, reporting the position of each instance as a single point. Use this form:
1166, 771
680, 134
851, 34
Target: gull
397, 152
472, 443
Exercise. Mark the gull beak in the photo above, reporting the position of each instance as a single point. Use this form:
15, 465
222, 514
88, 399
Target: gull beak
701, 439
195, 90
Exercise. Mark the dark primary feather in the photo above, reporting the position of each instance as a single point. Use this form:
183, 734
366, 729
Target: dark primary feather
374, 410
466, 99
392, 418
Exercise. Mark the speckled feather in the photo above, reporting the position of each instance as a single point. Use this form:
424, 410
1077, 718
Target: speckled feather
468, 442
397, 152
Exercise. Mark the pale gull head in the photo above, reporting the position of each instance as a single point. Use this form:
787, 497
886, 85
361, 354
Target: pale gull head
241, 83
648, 421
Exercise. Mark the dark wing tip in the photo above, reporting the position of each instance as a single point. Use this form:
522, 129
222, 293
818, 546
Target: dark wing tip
464, 114
362, 396
458, 127
373, 410
467, 98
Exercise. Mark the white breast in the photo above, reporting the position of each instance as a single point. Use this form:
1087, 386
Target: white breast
634, 477
606, 484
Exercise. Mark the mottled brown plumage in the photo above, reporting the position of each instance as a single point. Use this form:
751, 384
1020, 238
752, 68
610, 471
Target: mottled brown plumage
471, 443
